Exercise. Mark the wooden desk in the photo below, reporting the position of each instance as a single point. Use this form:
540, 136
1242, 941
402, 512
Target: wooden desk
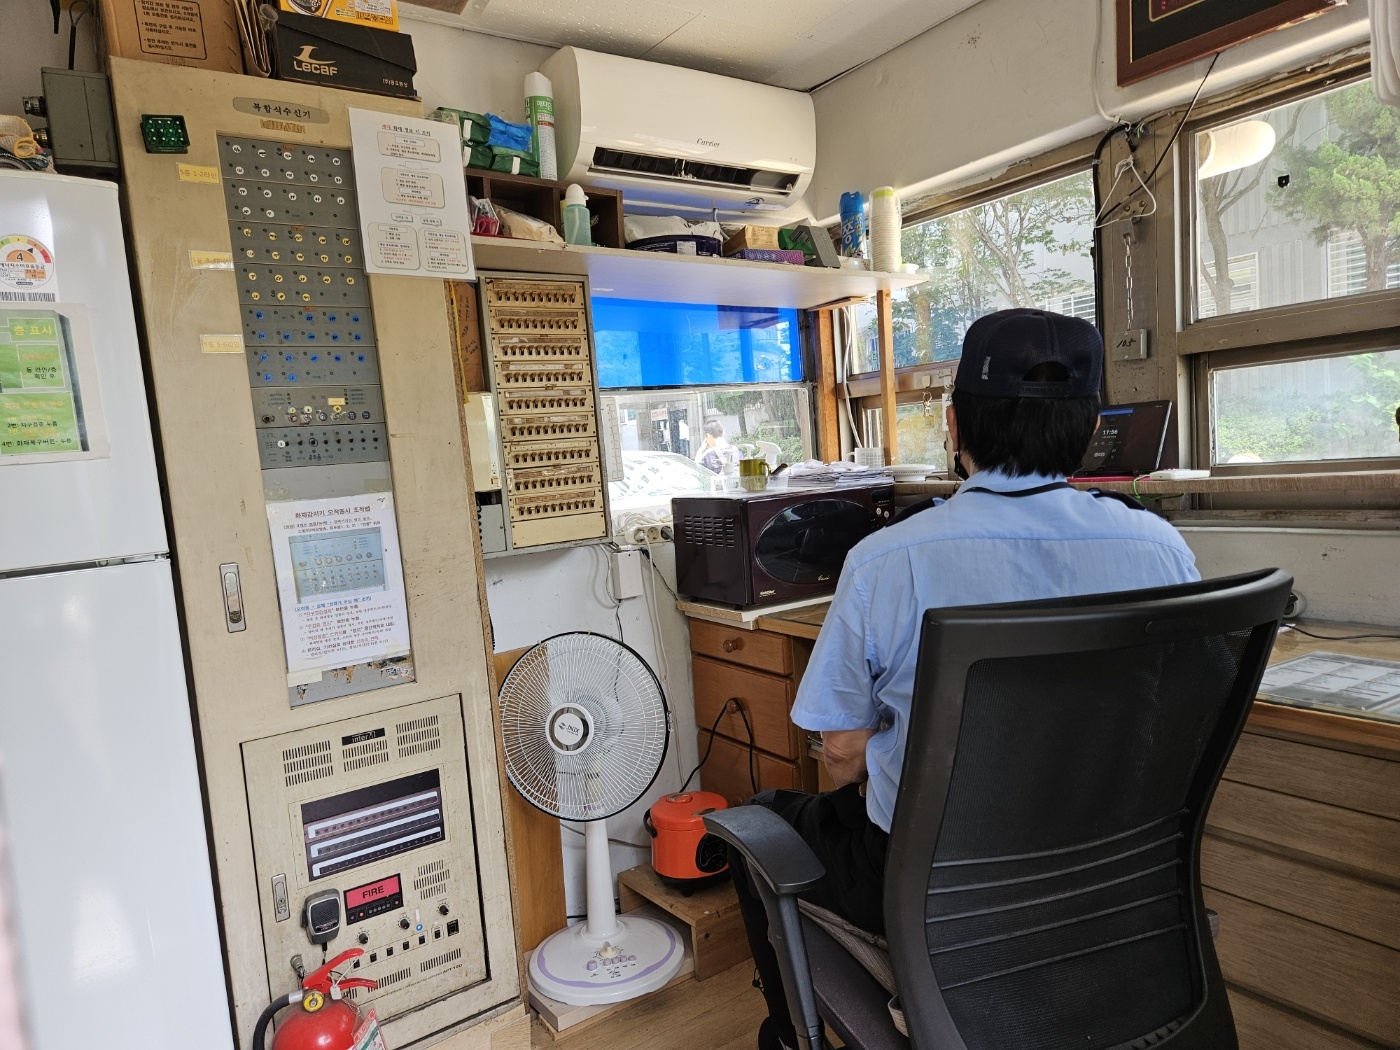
1301, 858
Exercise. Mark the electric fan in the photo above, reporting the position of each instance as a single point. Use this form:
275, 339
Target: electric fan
584, 726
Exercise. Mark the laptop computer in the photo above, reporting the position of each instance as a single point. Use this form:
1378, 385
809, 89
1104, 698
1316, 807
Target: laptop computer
1129, 441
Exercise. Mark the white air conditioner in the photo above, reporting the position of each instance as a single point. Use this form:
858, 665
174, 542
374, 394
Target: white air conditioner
679, 140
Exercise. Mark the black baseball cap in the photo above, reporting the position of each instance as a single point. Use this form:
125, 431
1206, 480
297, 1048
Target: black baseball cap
1002, 348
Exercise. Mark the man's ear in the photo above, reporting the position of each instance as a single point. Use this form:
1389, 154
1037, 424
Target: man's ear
950, 417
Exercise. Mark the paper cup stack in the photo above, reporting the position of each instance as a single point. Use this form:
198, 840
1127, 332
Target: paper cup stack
885, 230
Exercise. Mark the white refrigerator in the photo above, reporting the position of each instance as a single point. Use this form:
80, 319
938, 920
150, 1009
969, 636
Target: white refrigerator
113, 901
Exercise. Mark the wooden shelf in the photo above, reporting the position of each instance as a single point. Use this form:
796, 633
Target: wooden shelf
1334, 481
660, 277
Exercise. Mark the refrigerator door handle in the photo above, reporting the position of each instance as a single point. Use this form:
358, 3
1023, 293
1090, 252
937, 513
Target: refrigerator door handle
233, 598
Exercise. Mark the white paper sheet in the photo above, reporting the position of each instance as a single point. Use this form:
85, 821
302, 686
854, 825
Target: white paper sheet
339, 582
412, 196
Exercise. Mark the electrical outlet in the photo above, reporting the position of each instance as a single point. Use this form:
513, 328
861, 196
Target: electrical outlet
322, 445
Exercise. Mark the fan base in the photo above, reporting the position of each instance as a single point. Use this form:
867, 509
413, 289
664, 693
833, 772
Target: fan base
641, 956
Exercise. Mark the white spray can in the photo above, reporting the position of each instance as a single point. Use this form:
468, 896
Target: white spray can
539, 111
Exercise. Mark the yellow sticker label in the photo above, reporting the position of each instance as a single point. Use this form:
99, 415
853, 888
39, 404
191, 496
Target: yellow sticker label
313, 1001
210, 260
221, 344
283, 125
199, 173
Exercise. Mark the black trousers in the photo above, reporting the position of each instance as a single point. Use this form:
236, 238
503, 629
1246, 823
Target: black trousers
852, 850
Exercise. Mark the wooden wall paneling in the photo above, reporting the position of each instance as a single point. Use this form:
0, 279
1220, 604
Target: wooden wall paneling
465, 312
537, 853
1369, 910
1344, 980
1338, 778
884, 315
1349, 840
827, 393
1263, 1025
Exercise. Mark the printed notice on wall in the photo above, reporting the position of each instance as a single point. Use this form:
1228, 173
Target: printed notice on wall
339, 583
412, 196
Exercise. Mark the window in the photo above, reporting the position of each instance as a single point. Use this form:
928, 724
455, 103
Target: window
1309, 410
1306, 189
671, 372
1029, 248
1297, 335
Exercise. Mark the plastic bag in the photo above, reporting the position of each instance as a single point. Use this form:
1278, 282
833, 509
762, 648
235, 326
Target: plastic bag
511, 136
526, 227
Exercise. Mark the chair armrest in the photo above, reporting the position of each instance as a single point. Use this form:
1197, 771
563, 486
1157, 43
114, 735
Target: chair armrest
780, 866
774, 850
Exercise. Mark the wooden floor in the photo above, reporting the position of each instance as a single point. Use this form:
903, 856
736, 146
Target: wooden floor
722, 1013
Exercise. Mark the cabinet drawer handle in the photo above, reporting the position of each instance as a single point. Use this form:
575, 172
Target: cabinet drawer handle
732, 645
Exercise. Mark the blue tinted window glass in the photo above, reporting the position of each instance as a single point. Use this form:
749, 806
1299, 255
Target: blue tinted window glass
644, 344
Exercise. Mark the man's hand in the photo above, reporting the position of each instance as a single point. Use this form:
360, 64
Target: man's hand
843, 751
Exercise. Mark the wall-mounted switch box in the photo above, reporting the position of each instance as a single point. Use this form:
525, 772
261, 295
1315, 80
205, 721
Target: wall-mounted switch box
626, 575
81, 135
1131, 345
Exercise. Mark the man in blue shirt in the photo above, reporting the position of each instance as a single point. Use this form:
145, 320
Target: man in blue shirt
1025, 406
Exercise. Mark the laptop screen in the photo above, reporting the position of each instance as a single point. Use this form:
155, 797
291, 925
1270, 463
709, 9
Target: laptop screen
1129, 440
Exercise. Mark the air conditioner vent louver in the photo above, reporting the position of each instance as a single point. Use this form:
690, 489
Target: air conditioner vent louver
308, 762
620, 162
440, 960
417, 736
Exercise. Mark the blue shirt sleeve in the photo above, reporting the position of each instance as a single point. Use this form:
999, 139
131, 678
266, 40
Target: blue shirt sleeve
838, 687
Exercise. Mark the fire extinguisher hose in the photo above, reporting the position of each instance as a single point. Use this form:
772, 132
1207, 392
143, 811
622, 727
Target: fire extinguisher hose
260, 1029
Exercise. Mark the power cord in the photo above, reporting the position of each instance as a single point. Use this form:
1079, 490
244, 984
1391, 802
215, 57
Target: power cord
714, 729
1293, 626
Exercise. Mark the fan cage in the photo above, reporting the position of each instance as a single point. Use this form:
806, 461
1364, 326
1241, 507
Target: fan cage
631, 726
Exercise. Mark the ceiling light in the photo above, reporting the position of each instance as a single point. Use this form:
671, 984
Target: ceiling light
1231, 148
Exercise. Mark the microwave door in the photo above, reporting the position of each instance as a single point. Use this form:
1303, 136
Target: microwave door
806, 544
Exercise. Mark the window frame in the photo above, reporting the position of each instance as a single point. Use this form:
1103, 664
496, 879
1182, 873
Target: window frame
1326, 327
863, 388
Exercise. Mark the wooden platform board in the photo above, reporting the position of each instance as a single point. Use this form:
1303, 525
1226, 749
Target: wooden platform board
711, 917
557, 1018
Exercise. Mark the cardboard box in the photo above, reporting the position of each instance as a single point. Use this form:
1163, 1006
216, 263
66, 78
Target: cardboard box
341, 55
377, 14
202, 33
752, 237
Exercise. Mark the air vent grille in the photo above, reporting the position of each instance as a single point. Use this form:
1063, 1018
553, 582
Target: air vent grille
440, 960
708, 531
358, 756
432, 880
394, 978
417, 736
308, 762
691, 171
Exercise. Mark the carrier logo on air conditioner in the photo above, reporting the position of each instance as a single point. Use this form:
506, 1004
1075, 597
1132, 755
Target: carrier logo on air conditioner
707, 142
306, 62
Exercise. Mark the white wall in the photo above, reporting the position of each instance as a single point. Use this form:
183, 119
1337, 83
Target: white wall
1343, 575
466, 70
534, 596
1007, 80
31, 44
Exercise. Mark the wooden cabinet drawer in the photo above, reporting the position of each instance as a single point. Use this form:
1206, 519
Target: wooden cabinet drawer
765, 698
727, 771
761, 649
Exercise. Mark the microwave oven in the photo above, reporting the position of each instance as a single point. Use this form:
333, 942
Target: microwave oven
753, 548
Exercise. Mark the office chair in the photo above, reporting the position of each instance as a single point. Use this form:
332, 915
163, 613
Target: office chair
1042, 885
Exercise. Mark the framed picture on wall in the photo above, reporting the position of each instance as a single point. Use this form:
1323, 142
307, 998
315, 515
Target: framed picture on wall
1157, 35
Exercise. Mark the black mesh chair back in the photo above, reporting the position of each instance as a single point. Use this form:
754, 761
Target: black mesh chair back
1042, 884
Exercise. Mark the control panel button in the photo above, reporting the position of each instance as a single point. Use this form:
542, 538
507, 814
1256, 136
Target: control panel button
404, 923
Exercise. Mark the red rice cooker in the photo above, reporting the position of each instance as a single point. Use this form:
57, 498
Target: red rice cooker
682, 851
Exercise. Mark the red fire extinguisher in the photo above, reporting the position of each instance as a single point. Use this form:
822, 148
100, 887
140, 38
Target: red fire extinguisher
326, 1020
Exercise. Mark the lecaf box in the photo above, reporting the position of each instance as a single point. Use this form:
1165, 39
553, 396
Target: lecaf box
342, 55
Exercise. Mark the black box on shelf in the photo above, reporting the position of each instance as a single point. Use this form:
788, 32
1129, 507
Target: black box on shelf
342, 55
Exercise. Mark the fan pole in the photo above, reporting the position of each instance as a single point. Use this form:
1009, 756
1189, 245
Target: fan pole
602, 915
